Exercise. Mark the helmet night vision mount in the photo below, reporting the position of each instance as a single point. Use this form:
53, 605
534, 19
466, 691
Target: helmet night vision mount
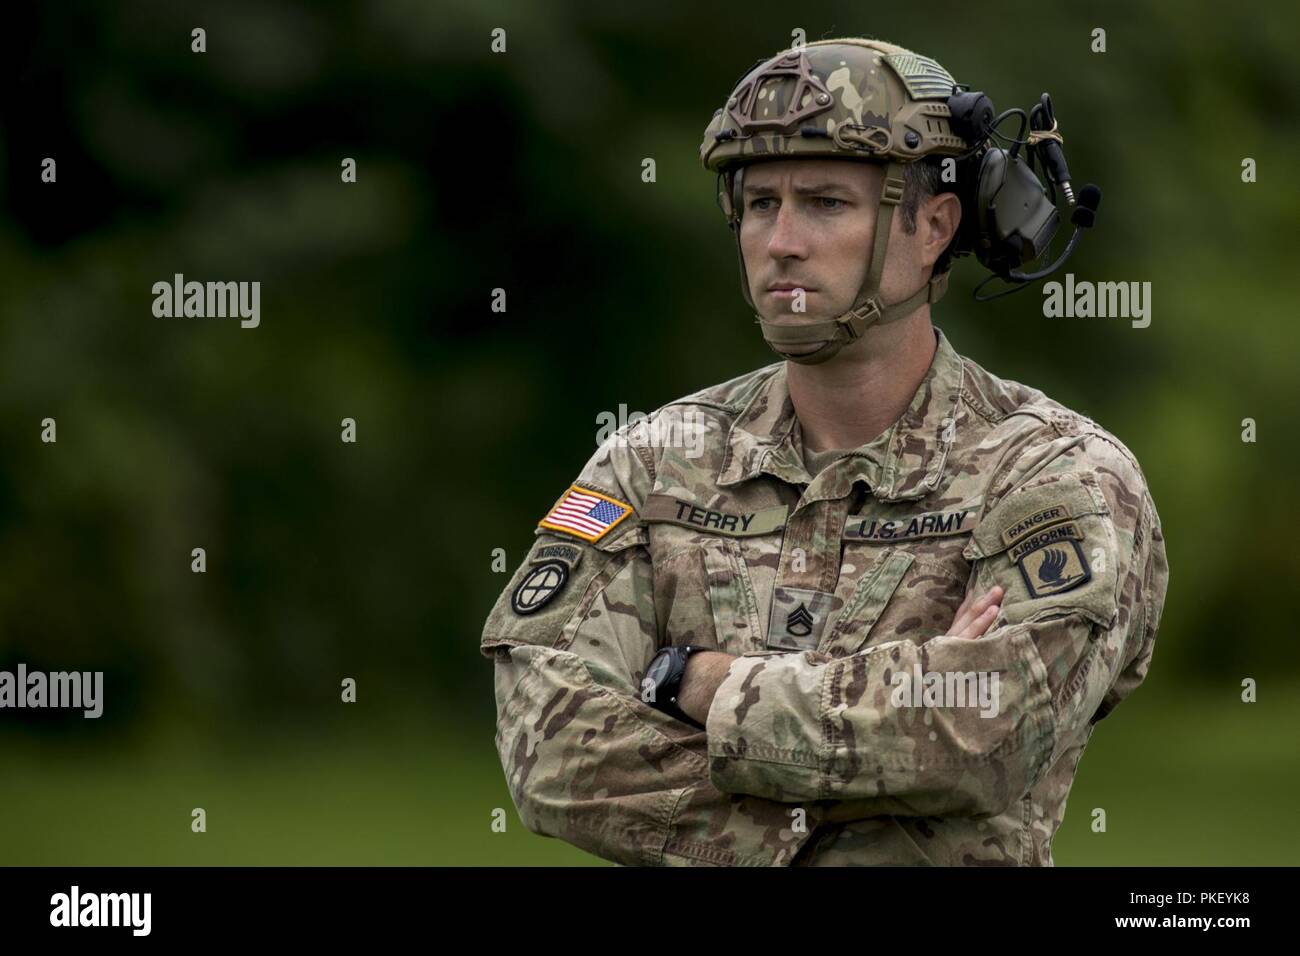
869, 100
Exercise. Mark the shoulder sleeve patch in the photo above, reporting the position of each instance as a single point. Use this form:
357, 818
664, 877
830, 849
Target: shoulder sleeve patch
1052, 545
585, 513
1052, 561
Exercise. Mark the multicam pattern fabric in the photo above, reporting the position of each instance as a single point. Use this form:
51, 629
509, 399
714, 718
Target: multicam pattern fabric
807, 758
870, 99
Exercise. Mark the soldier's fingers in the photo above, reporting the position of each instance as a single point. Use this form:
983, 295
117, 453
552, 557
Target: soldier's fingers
977, 627
971, 610
964, 614
965, 607
990, 597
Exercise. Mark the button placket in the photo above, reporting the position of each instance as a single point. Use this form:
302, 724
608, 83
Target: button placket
802, 600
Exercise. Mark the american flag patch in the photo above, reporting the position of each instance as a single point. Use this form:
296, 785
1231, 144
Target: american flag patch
586, 513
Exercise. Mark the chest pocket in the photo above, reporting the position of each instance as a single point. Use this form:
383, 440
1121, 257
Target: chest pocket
704, 593
913, 578
733, 598
871, 595
710, 567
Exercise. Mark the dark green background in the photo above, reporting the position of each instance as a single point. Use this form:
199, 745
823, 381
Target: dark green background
522, 171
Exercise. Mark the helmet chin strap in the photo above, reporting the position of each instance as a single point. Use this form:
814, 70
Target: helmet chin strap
867, 310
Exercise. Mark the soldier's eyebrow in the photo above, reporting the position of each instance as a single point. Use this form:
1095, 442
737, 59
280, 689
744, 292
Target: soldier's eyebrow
810, 189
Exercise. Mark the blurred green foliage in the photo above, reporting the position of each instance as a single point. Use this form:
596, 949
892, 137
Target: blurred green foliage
522, 171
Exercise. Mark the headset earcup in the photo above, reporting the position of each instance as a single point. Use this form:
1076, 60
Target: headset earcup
729, 196
1026, 218
992, 250
724, 195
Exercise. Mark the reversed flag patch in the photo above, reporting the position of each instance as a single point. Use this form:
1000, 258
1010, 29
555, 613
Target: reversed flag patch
586, 513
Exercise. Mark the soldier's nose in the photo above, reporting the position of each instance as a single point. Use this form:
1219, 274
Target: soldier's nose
786, 239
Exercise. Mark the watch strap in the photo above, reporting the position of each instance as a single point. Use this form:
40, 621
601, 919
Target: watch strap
667, 694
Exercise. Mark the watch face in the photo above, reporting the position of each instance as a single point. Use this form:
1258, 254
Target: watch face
658, 670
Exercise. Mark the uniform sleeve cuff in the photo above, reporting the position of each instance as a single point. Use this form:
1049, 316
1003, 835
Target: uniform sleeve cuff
764, 727
722, 720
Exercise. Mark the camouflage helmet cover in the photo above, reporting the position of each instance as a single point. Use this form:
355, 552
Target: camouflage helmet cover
848, 98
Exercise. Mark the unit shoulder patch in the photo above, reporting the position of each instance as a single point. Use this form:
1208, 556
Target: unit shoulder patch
1052, 561
539, 586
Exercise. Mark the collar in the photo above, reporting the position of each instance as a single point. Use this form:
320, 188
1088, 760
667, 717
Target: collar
904, 462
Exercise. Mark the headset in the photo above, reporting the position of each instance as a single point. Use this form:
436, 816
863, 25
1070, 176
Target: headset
1009, 219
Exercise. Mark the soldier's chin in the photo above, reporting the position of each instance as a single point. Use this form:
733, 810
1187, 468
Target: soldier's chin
784, 315
804, 349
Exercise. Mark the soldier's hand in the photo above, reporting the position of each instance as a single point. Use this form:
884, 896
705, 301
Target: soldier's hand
974, 617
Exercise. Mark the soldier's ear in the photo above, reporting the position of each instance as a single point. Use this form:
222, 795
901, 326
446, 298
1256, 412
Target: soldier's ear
943, 214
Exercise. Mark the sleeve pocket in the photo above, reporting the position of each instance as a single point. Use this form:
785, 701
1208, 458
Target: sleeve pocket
585, 569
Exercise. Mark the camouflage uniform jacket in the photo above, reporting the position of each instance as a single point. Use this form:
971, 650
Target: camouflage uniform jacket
834, 591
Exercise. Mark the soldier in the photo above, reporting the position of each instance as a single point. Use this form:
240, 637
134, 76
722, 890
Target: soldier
874, 614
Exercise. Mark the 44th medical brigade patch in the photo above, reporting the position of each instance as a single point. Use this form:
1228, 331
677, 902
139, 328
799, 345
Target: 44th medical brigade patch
586, 514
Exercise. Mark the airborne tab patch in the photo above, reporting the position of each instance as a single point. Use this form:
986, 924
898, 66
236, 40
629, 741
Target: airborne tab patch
568, 553
1047, 536
585, 513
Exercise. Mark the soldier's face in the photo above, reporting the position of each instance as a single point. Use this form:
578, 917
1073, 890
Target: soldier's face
810, 224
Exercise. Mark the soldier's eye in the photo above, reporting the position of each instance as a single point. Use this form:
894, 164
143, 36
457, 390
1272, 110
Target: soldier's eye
829, 199
754, 204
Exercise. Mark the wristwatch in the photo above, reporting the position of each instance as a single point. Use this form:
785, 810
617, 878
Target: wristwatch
663, 681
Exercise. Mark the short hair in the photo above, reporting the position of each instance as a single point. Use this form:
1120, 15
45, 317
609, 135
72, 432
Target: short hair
922, 179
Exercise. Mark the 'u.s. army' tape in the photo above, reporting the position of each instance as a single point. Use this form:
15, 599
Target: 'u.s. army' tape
930, 524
